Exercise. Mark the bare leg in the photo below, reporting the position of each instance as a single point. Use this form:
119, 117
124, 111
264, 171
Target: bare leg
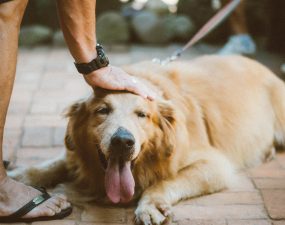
240, 41
237, 20
13, 195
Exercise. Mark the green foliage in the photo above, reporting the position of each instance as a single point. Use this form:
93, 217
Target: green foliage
41, 12
112, 27
34, 35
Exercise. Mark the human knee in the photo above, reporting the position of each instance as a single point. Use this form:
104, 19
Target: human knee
12, 12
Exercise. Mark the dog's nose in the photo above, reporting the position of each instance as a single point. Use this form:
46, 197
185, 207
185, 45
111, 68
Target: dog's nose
122, 139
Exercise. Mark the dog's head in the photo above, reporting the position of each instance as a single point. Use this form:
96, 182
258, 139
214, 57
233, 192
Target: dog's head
122, 127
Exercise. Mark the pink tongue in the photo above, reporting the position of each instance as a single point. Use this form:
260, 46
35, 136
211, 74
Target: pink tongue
119, 184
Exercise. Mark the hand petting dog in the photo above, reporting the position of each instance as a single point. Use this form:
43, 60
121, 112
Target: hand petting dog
114, 78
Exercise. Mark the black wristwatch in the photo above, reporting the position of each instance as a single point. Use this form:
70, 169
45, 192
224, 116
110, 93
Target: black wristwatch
99, 62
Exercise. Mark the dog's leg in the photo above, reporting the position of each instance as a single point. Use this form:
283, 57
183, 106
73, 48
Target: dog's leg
48, 174
211, 173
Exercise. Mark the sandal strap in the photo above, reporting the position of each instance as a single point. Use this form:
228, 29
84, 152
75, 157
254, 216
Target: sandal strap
32, 204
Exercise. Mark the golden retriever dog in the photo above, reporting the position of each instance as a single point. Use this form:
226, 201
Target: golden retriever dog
213, 116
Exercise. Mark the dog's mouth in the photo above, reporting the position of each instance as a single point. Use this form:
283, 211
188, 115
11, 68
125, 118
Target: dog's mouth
102, 158
119, 180
104, 161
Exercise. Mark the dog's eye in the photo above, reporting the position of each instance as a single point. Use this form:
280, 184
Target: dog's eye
141, 114
103, 111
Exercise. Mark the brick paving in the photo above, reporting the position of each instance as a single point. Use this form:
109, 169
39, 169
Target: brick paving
46, 83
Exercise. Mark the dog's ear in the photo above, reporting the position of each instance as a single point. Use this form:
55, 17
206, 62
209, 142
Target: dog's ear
167, 111
77, 114
75, 109
167, 122
69, 143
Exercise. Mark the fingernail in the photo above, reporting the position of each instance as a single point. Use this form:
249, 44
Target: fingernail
150, 98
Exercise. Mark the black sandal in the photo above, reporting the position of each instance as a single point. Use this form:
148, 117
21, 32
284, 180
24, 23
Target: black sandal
17, 217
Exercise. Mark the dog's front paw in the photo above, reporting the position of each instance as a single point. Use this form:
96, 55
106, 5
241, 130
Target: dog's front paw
152, 212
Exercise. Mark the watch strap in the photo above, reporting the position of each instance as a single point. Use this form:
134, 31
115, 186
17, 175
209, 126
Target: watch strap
99, 62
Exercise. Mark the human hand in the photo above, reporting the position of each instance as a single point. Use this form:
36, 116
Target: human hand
114, 78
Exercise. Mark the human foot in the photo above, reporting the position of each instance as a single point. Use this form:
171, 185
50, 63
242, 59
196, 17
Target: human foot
14, 195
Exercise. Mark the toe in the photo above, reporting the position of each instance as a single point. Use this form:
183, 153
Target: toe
144, 219
149, 214
165, 209
42, 210
49, 208
63, 197
46, 211
53, 206
64, 204
60, 201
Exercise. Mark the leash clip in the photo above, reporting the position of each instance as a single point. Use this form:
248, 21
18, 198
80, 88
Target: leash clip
173, 57
209, 26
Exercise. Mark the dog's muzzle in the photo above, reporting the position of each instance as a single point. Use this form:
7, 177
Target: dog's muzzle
122, 145
119, 180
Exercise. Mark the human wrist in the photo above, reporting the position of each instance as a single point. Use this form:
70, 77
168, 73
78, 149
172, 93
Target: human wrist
95, 76
85, 56
99, 72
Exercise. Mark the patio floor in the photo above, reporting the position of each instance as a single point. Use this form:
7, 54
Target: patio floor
47, 82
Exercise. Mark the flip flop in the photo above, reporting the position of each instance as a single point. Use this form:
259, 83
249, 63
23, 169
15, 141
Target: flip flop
17, 217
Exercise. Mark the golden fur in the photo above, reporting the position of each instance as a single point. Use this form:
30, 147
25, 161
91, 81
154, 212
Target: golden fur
213, 115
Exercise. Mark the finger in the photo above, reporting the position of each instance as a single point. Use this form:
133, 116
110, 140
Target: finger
141, 89
151, 98
150, 95
140, 92
144, 92
134, 87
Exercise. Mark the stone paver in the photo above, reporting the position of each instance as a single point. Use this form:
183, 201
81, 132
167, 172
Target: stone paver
268, 183
219, 211
227, 198
104, 214
58, 136
56, 222
34, 156
279, 222
37, 137
275, 203
35, 130
268, 170
249, 222
202, 222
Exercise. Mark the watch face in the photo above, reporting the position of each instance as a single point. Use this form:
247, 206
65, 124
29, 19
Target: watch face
102, 58
104, 61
